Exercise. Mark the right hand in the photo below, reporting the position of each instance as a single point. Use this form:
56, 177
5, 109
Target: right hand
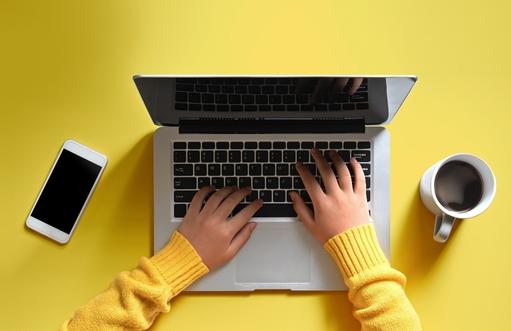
338, 208
215, 237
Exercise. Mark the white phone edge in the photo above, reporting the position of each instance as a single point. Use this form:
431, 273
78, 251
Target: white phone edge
48, 230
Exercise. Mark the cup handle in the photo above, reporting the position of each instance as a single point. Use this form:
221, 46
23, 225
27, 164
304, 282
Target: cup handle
443, 227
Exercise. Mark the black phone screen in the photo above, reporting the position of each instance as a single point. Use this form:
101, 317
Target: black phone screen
66, 191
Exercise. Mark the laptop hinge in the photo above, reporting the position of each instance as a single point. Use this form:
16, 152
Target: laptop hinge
267, 125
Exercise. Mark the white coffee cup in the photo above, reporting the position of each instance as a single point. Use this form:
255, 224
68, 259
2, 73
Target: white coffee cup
446, 216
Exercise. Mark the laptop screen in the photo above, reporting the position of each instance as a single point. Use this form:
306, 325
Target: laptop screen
170, 99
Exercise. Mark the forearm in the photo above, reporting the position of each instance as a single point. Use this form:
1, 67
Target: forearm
375, 289
137, 297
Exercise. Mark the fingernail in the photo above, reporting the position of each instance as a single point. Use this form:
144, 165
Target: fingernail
292, 195
298, 164
353, 159
253, 226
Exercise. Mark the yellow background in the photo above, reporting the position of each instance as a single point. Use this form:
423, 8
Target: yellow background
66, 71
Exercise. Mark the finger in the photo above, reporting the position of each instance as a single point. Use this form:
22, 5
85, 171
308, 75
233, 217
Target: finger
198, 199
327, 175
342, 171
227, 206
240, 239
340, 83
355, 84
243, 216
310, 183
216, 199
304, 213
360, 180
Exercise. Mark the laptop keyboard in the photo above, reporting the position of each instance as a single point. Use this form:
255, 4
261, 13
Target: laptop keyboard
238, 94
268, 167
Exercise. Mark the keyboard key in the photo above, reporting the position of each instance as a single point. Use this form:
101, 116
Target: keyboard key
361, 156
245, 182
208, 98
264, 145
368, 195
350, 145
258, 182
268, 169
359, 97
302, 156
305, 196
183, 169
183, 196
276, 210
364, 144
234, 99
179, 210
275, 99
231, 181
307, 145
272, 182
194, 97
366, 167
368, 182
234, 156
220, 156
184, 87
297, 183
293, 145
335, 145
321, 145
292, 170
222, 145
264, 108
348, 106
275, 156
247, 156
248, 99
261, 99
282, 169
193, 156
345, 155
289, 156
279, 196
181, 106
179, 156
208, 107
181, 97
279, 145
203, 181
241, 169
179, 145
362, 106
236, 145
221, 98
185, 183
217, 182
286, 182
250, 145
227, 169
265, 195
206, 156
254, 169
193, 145
213, 169
261, 156
208, 145
200, 169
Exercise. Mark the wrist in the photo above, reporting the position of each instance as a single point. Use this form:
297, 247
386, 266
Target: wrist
179, 263
356, 250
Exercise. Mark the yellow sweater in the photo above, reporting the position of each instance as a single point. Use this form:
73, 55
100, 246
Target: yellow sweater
137, 297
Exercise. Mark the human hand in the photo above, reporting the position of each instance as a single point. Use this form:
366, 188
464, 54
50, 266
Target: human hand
215, 237
341, 206
319, 87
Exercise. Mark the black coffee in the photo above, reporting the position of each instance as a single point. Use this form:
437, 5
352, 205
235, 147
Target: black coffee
458, 186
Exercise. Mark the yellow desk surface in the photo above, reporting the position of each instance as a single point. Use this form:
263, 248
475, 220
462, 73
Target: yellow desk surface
66, 73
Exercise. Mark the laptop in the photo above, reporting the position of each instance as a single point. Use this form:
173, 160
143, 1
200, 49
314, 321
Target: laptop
250, 131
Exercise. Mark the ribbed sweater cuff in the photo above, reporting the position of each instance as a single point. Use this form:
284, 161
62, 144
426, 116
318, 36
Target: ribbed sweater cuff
356, 250
179, 263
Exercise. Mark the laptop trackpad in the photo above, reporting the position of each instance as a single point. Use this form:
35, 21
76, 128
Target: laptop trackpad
276, 253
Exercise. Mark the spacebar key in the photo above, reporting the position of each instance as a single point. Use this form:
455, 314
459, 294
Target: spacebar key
276, 210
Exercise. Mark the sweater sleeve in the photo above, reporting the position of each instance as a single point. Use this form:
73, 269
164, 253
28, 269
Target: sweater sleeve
375, 289
137, 297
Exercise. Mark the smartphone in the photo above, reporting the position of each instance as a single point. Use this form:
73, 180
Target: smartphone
66, 191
